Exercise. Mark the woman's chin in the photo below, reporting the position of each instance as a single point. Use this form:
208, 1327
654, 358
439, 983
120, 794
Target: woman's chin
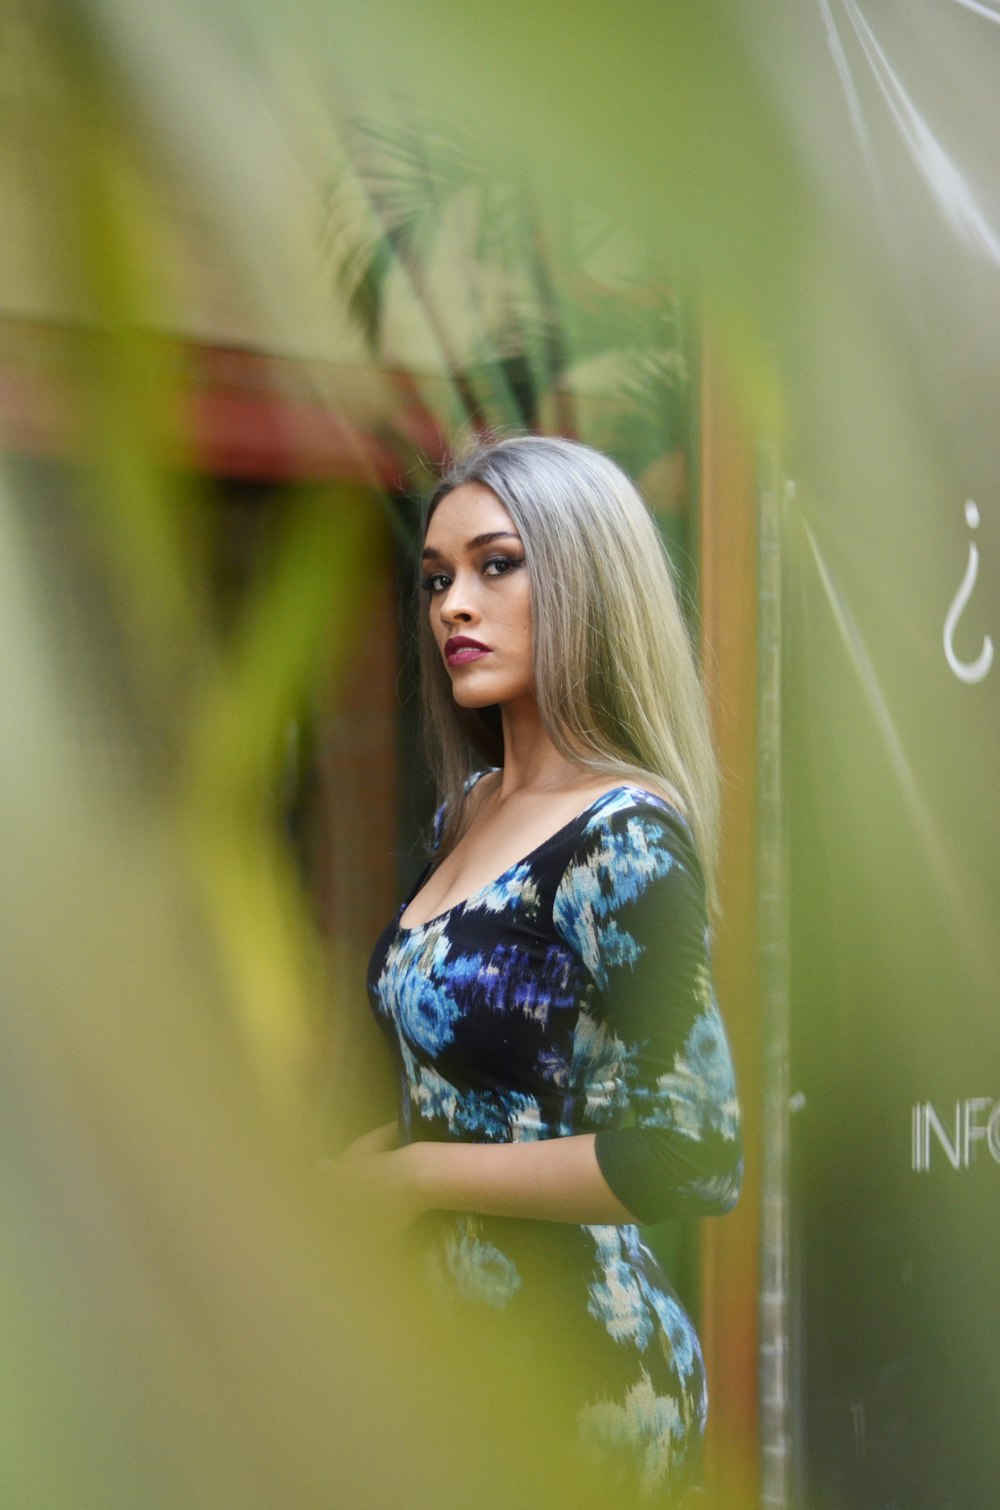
471, 691
467, 698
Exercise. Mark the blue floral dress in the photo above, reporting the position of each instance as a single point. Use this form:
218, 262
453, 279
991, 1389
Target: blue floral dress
573, 995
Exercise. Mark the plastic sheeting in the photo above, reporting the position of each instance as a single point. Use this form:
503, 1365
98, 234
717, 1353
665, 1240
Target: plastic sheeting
891, 691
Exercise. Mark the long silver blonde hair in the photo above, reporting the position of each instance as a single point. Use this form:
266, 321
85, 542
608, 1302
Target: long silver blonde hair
615, 675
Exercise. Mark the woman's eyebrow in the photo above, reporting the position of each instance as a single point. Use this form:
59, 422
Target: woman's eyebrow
431, 554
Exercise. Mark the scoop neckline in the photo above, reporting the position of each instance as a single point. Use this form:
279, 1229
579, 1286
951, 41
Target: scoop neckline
473, 896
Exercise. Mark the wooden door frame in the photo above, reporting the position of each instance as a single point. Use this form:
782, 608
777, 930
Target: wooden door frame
727, 552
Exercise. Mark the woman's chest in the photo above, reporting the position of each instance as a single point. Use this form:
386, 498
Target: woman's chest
487, 991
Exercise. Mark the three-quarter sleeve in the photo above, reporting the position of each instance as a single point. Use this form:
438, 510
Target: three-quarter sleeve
653, 1062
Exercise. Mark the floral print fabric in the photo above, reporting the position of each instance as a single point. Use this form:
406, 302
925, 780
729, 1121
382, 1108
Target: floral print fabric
573, 995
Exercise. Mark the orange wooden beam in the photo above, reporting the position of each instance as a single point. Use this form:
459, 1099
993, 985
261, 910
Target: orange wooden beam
728, 585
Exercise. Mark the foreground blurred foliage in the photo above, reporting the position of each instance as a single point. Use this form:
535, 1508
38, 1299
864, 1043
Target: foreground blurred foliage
192, 1319
539, 303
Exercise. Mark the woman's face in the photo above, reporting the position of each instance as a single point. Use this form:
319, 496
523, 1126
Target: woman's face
479, 594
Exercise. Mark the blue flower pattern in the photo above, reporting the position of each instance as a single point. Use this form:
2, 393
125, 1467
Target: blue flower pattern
680, 1099
417, 983
479, 1271
515, 889
573, 995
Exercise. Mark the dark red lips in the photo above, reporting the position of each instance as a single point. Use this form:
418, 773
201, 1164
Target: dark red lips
460, 649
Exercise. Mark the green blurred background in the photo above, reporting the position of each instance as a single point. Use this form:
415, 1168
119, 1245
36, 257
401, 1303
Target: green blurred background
262, 264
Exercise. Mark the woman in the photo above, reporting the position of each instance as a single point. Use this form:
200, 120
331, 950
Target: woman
563, 1071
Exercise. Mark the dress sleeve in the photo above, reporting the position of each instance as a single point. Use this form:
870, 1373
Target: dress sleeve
650, 1051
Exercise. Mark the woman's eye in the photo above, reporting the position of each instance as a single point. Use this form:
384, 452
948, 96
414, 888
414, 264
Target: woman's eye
499, 566
435, 581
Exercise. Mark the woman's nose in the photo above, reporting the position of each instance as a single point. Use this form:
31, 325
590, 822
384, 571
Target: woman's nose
458, 604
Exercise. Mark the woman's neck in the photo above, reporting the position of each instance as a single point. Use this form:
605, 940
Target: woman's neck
531, 761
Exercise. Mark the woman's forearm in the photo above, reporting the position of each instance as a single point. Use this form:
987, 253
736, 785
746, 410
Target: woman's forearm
554, 1180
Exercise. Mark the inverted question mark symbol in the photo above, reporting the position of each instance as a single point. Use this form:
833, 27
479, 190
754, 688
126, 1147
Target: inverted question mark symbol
970, 672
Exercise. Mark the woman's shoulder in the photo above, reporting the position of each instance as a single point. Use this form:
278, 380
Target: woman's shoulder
632, 827
630, 800
631, 879
473, 792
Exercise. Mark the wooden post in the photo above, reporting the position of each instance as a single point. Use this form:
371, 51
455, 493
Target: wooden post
728, 586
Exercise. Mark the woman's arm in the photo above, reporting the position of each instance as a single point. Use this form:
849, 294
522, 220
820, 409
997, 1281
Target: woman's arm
631, 904
555, 1180
379, 1140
